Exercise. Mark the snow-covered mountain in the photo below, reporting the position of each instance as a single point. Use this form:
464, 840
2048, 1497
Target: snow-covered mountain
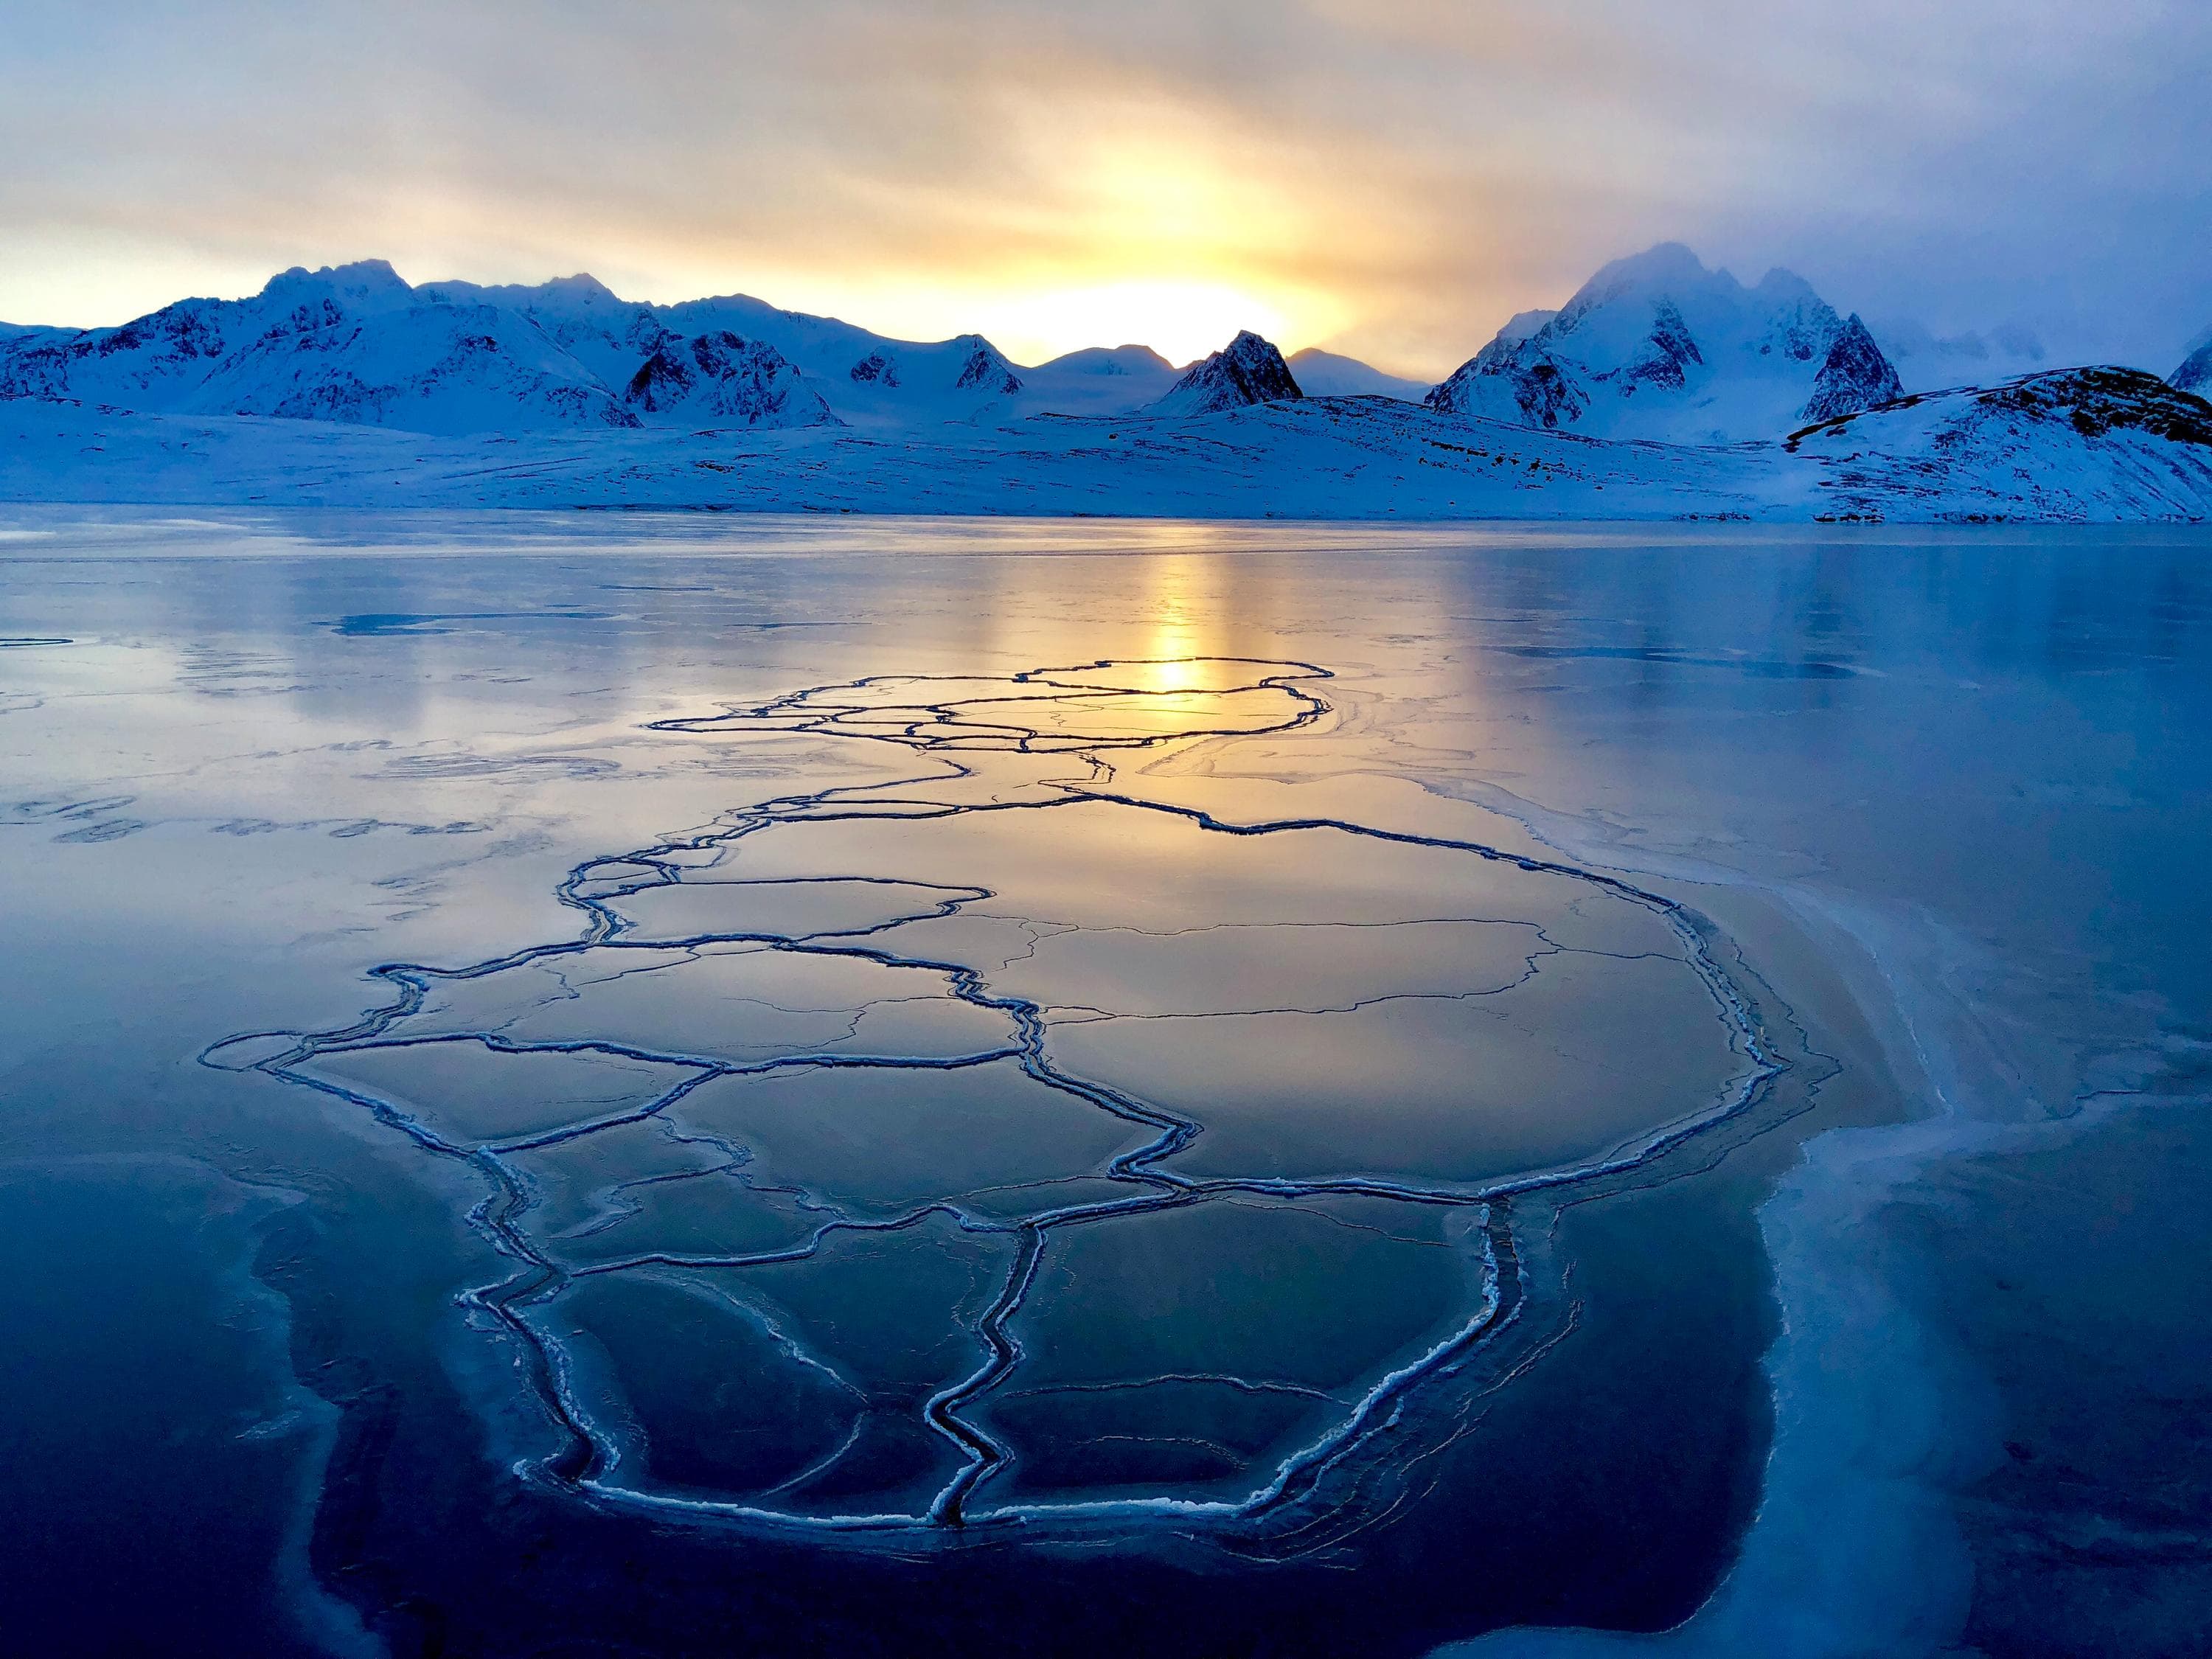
722, 380
2195, 374
1658, 347
1326, 374
873, 380
355, 343
16, 336
358, 343
1928, 363
608, 334
2068, 445
1098, 380
1248, 370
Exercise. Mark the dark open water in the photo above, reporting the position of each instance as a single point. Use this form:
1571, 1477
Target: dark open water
578, 1085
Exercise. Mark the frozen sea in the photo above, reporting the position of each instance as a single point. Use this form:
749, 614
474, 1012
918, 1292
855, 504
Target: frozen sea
676, 1084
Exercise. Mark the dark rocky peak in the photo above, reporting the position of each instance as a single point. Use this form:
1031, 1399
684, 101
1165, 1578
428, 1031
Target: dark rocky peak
1248, 370
986, 368
1854, 376
1668, 353
1259, 368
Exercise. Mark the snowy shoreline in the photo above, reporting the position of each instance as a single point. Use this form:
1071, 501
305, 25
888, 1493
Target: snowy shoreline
2066, 448
1855, 1548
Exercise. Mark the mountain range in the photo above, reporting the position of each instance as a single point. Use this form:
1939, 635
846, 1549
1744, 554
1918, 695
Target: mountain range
1656, 346
1655, 349
360, 344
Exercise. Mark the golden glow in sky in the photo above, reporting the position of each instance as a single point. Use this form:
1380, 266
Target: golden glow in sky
1178, 320
1391, 179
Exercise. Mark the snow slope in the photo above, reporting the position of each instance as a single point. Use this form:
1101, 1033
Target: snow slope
2077, 445
610, 336
1325, 374
1355, 458
2195, 374
1657, 346
2101, 445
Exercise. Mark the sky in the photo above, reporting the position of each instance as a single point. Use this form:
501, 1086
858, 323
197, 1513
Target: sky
1388, 177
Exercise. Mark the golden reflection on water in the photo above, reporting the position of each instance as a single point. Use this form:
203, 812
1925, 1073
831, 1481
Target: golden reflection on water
1177, 633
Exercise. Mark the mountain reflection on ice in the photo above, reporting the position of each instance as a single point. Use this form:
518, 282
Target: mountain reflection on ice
993, 1143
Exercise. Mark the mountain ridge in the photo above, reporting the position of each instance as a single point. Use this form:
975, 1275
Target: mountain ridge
1657, 346
451, 356
1248, 370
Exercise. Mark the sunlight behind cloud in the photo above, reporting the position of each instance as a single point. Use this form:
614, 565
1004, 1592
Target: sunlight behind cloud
1180, 320
1387, 178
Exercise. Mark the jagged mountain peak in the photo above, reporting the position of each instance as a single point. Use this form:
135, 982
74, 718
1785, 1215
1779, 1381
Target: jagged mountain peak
584, 286
1657, 266
1522, 324
724, 379
1854, 376
984, 367
1658, 346
1248, 370
371, 282
356, 342
1781, 286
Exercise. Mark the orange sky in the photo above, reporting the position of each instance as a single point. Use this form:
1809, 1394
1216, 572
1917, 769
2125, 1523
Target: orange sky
1391, 178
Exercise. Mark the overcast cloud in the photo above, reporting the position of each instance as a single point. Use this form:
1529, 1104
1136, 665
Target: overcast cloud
1392, 178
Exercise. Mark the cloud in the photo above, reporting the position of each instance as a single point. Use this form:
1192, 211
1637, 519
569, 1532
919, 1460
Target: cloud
1393, 179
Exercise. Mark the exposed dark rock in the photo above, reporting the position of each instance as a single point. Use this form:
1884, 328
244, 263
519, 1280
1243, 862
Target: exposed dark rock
986, 369
2096, 401
1657, 346
1545, 389
1855, 376
1249, 370
875, 368
721, 377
